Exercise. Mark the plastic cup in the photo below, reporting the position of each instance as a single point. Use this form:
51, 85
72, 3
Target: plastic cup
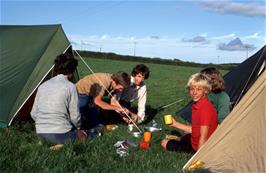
144, 145
147, 136
168, 119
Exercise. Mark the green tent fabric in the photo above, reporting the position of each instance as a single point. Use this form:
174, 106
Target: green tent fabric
27, 57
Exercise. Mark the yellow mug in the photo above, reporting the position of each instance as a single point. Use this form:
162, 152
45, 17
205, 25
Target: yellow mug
168, 119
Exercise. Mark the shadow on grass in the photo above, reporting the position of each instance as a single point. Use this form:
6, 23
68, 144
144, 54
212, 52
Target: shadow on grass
150, 113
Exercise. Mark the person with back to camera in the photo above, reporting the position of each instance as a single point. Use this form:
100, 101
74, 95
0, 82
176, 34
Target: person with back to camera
136, 91
91, 90
218, 97
204, 118
55, 109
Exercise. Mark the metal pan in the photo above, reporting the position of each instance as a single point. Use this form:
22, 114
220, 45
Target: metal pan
152, 129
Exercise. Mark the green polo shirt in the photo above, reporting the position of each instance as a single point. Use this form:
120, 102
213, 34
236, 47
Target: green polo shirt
221, 102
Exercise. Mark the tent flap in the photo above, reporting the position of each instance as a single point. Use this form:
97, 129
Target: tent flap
27, 54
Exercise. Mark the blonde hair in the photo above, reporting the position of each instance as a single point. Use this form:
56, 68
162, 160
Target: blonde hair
199, 79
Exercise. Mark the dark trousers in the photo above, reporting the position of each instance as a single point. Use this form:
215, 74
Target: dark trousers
112, 117
59, 138
184, 145
89, 112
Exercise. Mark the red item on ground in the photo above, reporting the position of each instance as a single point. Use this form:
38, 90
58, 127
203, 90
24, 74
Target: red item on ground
144, 145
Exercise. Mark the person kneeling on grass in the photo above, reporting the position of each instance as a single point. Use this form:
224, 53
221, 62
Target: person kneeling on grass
55, 109
91, 91
204, 118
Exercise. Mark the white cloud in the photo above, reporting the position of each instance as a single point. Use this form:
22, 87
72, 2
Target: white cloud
225, 37
132, 38
197, 39
238, 8
255, 36
74, 42
84, 42
155, 37
235, 45
104, 36
166, 47
203, 34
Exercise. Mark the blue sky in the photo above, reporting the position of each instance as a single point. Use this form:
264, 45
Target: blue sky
223, 31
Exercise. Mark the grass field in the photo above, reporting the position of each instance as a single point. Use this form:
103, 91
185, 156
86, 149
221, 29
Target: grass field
21, 150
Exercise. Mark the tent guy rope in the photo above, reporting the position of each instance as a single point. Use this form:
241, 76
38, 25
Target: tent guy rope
170, 104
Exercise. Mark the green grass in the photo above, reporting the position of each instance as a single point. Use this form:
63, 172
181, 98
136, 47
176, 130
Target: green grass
21, 151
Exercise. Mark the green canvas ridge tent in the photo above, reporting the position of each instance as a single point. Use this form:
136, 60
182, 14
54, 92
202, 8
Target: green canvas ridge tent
26, 60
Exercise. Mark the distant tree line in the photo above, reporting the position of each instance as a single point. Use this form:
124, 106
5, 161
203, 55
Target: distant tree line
113, 56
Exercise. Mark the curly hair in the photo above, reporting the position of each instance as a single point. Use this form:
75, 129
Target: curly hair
142, 69
217, 81
65, 64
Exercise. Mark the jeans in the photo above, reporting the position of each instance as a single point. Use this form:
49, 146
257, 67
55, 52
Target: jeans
59, 138
88, 111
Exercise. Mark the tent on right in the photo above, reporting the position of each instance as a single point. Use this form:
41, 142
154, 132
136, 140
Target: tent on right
241, 78
239, 143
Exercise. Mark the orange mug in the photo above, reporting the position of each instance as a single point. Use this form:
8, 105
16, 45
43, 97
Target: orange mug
147, 136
